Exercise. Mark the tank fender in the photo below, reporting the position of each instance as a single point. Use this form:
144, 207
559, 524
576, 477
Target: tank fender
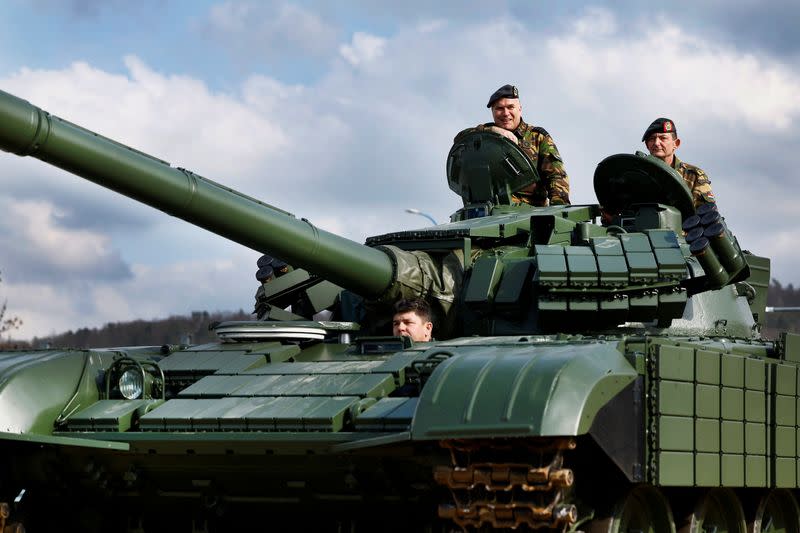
515, 391
37, 387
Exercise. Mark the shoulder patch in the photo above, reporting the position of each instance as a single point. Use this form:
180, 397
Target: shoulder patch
539, 129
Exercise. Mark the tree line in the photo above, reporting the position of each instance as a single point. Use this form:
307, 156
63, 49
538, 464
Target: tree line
177, 329
780, 296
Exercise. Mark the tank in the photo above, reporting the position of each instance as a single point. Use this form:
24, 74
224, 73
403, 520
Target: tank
595, 368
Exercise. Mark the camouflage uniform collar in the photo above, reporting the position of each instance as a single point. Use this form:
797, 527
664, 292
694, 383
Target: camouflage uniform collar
676, 163
521, 129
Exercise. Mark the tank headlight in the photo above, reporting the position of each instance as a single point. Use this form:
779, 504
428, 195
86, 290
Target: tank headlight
134, 379
131, 384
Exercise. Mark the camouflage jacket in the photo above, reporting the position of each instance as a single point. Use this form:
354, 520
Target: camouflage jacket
697, 181
540, 148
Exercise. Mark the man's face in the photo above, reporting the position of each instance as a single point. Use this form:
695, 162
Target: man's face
410, 324
662, 145
506, 113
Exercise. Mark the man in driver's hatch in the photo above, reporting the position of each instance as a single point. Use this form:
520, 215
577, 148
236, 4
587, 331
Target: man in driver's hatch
538, 145
412, 318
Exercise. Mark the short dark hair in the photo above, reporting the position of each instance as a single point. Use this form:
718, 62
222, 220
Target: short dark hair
416, 305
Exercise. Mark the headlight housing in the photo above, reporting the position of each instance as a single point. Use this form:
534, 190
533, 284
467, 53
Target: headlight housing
131, 384
134, 379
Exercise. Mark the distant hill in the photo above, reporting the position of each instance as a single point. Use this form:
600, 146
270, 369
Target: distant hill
191, 329
194, 328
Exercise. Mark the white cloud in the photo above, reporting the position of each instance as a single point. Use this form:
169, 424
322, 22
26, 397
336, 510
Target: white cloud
171, 117
364, 48
270, 28
231, 17
429, 26
153, 291
268, 96
43, 237
595, 22
665, 67
42, 309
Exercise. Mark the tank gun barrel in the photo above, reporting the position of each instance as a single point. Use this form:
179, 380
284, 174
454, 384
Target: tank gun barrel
27, 130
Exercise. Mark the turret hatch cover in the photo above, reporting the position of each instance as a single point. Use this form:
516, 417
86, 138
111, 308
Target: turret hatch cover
484, 166
624, 179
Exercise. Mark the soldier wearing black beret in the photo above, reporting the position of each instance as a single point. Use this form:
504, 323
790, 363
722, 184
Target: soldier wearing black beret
535, 142
661, 139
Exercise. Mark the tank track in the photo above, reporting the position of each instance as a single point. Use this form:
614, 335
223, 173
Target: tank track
493, 485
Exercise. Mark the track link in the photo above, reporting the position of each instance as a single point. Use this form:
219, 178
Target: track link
493, 486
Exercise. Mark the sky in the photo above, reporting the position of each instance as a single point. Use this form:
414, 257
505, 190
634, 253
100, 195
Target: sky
343, 113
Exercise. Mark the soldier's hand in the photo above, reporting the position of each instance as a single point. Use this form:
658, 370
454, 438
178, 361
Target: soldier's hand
505, 133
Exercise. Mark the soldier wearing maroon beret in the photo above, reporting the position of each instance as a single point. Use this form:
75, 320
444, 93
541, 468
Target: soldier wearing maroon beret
661, 139
535, 142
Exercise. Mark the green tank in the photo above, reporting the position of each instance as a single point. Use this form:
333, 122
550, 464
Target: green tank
594, 369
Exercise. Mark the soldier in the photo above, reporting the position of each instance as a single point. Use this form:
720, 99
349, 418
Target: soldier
661, 139
537, 144
412, 318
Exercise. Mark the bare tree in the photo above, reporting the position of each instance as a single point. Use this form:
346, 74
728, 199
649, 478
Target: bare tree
7, 324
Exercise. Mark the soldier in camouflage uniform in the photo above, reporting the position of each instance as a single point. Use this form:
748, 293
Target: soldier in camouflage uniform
537, 144
661, 139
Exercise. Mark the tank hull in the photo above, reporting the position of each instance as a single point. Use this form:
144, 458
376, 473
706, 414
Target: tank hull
544, 425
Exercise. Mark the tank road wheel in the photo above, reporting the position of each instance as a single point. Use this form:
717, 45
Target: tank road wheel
777, 513
642, 510
719, 511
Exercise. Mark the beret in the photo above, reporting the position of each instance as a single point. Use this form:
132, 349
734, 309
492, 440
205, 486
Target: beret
660, 125
506, 91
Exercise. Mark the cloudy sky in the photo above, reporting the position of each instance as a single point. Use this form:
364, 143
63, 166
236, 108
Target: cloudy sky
343, 113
